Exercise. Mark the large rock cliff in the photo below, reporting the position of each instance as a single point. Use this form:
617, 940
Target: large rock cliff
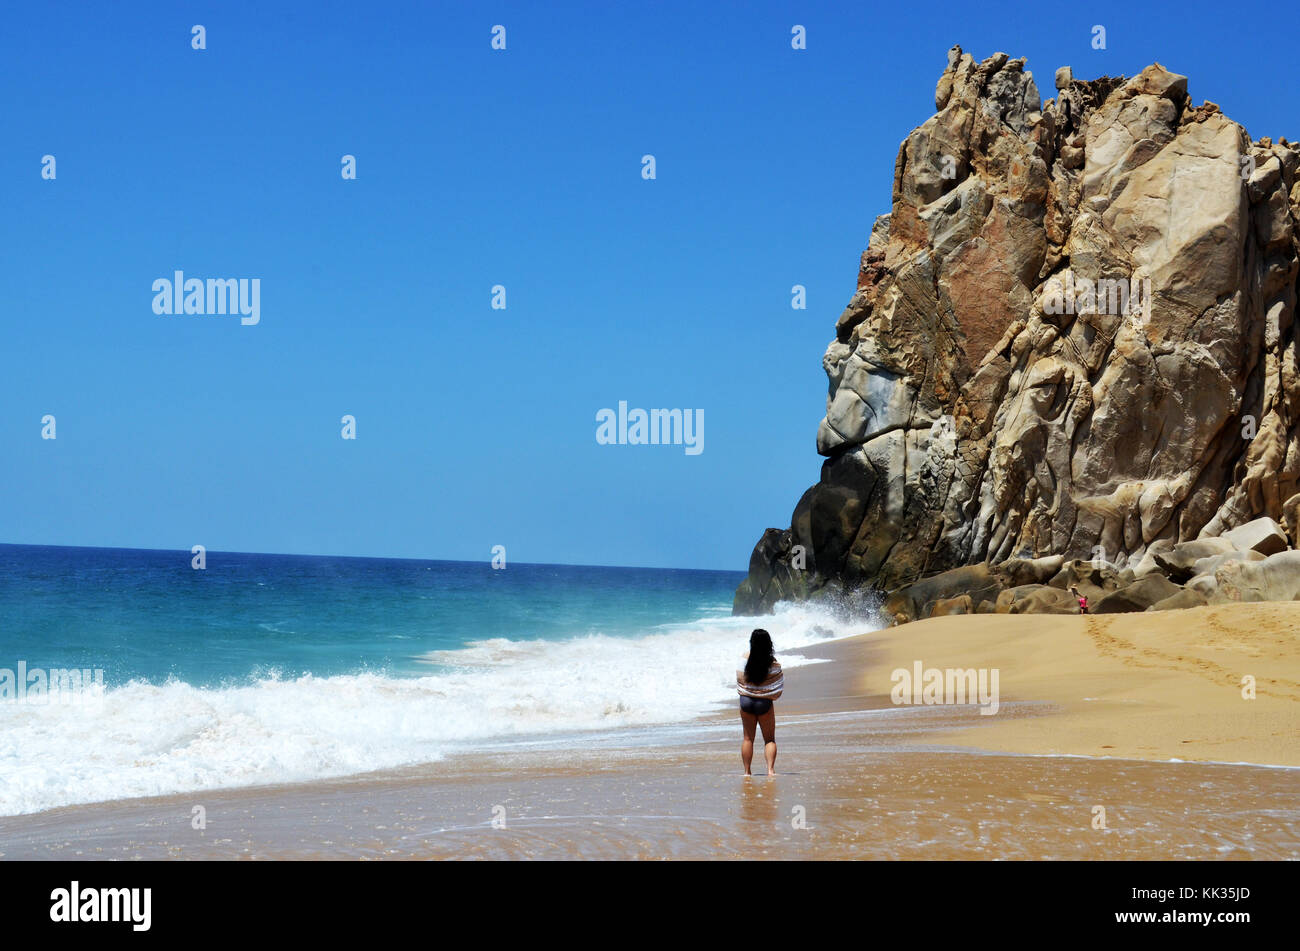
1072, 335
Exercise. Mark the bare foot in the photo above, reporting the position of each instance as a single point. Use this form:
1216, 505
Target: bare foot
771, 772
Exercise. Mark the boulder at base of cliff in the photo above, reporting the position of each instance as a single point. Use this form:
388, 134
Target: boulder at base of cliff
1094, 580
1185, 598
946, 607
1138, 596
1262, 535
1019, 571
1043, 599
776, 573
1179, 562
1010, 596
915, 601
1147, 564
1276, 578
1208, 566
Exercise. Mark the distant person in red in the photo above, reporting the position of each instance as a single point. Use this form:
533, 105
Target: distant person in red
1083, 601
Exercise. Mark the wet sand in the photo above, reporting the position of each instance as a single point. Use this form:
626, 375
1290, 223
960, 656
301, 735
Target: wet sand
1091, 712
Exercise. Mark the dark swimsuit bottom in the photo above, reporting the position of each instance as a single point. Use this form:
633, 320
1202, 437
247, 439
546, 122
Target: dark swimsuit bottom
755, 705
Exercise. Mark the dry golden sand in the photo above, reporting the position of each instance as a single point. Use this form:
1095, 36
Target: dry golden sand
859, 776
1159, 685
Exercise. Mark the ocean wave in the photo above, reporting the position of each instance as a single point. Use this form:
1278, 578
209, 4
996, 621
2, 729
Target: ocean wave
143, 739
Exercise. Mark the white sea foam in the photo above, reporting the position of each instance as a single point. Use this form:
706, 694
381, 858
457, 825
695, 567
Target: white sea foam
145, 740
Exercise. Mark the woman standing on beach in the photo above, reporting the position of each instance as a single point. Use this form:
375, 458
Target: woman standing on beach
759, 682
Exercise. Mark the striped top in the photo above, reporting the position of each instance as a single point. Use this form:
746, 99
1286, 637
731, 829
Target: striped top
769, 689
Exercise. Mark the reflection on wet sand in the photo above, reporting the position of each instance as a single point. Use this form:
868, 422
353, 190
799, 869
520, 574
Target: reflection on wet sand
1117, 702
690, 802
758, 801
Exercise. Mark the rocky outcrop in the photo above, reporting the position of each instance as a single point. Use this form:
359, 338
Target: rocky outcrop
1276, 578
1072, 336
1208, 571
1138, 596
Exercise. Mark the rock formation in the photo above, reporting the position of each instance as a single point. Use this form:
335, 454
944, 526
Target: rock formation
1072, 336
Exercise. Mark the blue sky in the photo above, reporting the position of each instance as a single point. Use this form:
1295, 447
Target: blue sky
522, 167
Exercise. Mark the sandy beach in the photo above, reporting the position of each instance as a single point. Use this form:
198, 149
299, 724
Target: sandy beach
1120, 736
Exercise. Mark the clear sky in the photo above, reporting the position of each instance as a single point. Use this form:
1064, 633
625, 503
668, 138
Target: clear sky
475, 167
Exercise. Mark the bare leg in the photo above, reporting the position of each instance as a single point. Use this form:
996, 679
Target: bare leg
747, 724
768, 722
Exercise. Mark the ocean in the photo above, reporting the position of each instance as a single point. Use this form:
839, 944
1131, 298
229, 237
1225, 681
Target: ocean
264, 669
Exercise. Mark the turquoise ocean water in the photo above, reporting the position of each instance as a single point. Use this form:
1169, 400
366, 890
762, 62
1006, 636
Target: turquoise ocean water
280, 668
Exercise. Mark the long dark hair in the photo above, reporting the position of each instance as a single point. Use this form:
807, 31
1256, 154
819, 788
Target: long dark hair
760, 656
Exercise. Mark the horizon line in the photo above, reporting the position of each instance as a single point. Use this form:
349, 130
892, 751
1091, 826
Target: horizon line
290, 554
